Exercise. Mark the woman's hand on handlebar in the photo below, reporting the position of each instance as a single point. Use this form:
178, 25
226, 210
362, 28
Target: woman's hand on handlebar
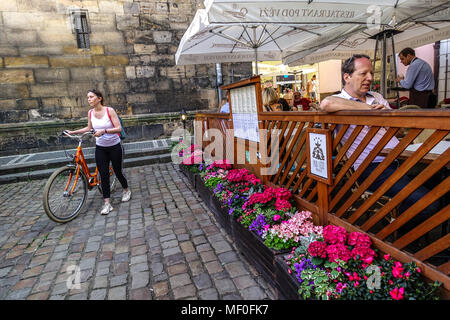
98, 133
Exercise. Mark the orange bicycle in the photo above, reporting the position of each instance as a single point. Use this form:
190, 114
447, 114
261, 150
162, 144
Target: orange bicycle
66, 191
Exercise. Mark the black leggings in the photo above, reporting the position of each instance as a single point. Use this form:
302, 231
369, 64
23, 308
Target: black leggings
103, 155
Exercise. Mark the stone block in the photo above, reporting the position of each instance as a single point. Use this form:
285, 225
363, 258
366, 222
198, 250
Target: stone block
26, 62
13, 91
143, 36
163, 59
8, 51
54, 37
114, 73
52, 75
13, 116
140, 98
87, 74
47, 50
70, 61
178, 18
127, 22
162, 8
49, 90
161, 85
116, 100
65, 5
8, 6
27, 104
74, 50
111, 6
16, 76
80, 88
66, 102
145, 71
131, 8
172, 72
162, 36
117, 87
41, 5
107, 38
22, 38
110, 60
144, 48
130, 72
7, 104
101, 22
23, 20
118, 49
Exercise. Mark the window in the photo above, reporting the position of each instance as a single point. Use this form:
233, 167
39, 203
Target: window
80, 27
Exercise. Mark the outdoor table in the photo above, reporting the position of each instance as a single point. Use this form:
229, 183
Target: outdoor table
434, 153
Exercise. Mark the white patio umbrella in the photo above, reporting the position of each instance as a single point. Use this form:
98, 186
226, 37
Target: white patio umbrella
252, 30
422, 25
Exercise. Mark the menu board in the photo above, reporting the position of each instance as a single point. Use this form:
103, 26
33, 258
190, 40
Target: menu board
245, 113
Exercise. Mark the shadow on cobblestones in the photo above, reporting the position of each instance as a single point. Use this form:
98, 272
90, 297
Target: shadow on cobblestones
164, 244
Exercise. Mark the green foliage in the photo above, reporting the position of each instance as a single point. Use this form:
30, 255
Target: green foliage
212, 182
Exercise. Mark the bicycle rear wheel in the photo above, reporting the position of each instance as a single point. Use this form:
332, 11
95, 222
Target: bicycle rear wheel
65, 194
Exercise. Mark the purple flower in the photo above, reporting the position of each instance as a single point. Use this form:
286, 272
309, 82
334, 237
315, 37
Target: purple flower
258, 225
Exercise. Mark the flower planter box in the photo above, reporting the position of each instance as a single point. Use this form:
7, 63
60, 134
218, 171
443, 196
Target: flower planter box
203, 191
221, 214
190, 175
286, 283
258, 254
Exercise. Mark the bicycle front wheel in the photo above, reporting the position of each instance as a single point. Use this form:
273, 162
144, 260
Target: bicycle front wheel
65, 194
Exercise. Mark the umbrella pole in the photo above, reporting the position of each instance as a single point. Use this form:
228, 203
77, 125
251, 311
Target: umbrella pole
375, 57
395, 71
383, 68
256, 61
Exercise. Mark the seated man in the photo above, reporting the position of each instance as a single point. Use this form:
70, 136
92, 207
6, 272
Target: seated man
357, 77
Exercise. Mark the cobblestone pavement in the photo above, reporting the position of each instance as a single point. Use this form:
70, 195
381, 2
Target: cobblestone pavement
163, 244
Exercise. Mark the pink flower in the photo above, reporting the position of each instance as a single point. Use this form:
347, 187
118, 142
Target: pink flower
397, 294
276, 217
397, 270
334, 234
317, 249
386, 257
282, 205
338, 251
340, 286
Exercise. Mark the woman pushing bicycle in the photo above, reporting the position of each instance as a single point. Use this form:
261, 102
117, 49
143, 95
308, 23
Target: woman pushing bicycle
105, 122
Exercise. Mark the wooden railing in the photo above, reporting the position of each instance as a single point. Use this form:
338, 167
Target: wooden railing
348, 201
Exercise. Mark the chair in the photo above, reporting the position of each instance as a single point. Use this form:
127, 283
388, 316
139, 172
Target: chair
381, 201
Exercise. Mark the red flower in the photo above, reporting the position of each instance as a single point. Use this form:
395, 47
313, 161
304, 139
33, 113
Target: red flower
397, 294
317, 249
282, 205
359, 239
397, 270
333, 234
338, 251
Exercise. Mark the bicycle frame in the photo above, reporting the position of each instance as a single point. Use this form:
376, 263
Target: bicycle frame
80, 162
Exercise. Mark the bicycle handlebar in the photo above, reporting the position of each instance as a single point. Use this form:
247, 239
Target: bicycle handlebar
79, 137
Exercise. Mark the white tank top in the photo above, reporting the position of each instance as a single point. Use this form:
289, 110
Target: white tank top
108, 139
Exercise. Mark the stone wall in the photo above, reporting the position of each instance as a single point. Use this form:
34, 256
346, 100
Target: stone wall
44, 76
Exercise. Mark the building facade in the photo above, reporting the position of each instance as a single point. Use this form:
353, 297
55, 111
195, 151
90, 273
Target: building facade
53, 51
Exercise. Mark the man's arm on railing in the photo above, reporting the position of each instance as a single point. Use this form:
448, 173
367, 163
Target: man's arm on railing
332, 104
